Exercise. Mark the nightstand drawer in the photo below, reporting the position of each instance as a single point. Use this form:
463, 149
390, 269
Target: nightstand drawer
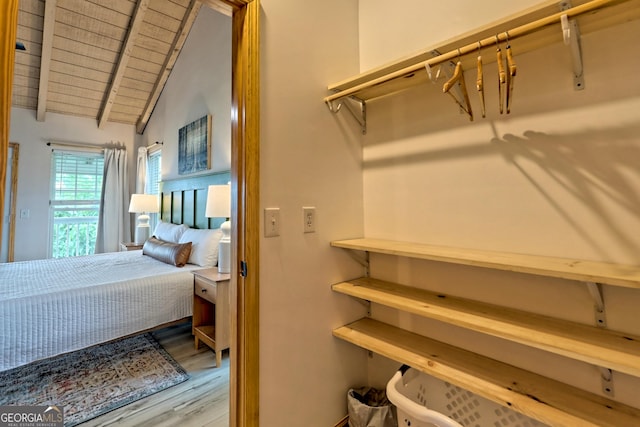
205, 290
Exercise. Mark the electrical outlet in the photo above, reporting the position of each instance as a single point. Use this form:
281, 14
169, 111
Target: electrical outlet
271, 222
309, 214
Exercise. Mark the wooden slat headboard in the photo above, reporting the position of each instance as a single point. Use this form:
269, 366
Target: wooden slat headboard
183, 200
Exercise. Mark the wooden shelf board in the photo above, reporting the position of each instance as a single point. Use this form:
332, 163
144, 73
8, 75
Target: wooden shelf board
565, 268
598, 346
409, 71
542, 398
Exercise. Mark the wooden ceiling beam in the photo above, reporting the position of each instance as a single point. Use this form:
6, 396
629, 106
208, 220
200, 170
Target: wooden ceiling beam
178, 42
125, 54
45, 58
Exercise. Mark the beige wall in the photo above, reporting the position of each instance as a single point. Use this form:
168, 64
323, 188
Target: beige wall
389, 31
309, 157
560, 176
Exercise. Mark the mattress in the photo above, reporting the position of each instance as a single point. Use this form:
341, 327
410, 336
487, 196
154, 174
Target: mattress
53, 306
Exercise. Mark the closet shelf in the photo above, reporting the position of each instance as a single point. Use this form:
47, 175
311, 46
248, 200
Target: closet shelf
598, 346
539, 397
529, 30
565, 268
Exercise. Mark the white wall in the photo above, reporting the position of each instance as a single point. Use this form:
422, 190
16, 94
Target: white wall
34, 168
559, 176
309, 157
200, 84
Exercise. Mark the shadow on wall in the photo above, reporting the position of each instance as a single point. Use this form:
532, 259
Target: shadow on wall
593, 167
599, 168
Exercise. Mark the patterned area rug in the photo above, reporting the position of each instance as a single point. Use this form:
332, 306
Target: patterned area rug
95, 380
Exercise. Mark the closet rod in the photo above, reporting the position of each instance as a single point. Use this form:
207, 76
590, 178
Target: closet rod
512, 34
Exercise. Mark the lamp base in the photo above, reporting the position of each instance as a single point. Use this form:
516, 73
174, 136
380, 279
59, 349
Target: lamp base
142, 230
142, 234
224, 249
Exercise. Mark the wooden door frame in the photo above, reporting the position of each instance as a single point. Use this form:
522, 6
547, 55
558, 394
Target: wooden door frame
13, 195
245, 209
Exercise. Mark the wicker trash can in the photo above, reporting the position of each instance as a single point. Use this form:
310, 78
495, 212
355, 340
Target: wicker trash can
369, 407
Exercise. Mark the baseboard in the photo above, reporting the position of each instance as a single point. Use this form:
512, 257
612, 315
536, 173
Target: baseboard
343, 422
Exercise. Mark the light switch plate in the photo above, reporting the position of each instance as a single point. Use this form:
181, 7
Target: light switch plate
309, 219
271, 222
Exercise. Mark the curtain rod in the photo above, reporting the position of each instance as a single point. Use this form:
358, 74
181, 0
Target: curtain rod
155, 146
111, 144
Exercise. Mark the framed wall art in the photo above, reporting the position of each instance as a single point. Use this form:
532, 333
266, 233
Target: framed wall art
194, 146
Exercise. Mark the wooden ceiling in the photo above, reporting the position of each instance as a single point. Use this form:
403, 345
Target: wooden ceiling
103, 59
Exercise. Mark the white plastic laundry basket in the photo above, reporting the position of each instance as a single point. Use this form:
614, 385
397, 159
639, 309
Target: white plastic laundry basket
411, 413
425, 401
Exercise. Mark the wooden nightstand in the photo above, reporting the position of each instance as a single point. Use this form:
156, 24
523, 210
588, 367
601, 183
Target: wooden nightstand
211, 314
130, 246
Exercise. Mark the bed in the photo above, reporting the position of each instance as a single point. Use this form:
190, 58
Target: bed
54, 306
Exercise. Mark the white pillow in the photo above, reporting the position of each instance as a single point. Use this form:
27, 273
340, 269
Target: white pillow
169, 232
204, 246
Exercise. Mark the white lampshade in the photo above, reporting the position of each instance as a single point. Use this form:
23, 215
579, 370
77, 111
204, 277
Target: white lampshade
144, 203
218, 201
219, 206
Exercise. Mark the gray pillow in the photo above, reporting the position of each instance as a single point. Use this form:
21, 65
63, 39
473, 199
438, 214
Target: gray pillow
171, 253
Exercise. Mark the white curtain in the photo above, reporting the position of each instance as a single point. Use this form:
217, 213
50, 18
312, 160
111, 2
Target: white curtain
141, 178
114, 221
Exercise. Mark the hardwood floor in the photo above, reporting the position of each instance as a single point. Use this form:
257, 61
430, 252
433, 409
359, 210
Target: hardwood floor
203, 400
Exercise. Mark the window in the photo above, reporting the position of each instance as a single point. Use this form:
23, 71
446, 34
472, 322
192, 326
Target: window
154, 176
75, 202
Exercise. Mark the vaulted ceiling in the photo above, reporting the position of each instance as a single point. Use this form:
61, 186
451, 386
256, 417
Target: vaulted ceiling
103, 59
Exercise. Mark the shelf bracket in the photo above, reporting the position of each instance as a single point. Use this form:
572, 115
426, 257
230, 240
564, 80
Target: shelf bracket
571, 37
606, 374
358, 112
595, 290
363, 260
606, 380
367, 304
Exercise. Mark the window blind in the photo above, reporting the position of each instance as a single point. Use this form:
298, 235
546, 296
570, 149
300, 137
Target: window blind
76, 187
153, 172
77, 176
154, 163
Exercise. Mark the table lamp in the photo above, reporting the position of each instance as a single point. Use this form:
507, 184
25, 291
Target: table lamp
143, 204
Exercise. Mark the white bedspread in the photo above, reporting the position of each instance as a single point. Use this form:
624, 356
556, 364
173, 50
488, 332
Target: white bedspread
53, 306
